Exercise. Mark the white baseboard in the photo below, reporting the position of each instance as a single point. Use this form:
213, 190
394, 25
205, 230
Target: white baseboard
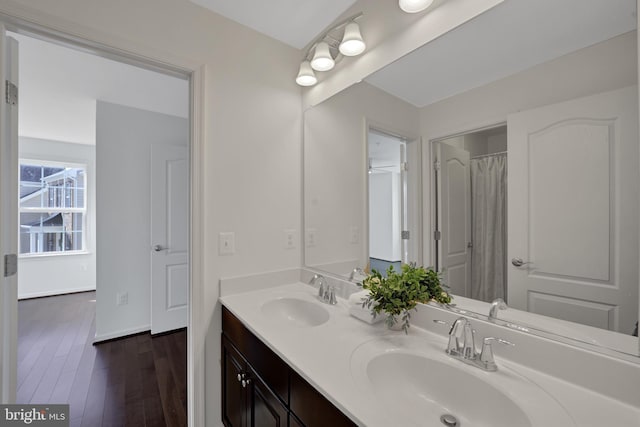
120, 334
55, 292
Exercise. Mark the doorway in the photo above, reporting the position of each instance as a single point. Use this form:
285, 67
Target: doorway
471, 205
387, 175
119, 301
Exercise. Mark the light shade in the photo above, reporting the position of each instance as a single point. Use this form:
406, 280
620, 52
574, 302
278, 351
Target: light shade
322, 59
414, 6
306, 76
352, 43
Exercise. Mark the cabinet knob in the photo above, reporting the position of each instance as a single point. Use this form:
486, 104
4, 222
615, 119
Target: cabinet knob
240, 376
246, 382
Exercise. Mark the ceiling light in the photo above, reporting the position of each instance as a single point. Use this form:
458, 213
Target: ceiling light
322, 59
352, 43
306, 76
343, 39
414, 6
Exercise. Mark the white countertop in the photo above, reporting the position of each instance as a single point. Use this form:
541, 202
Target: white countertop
326, 356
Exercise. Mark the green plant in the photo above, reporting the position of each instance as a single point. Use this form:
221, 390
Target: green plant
400, 292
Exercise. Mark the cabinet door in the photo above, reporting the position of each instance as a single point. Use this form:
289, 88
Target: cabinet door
294, 422
266, 409
234, 396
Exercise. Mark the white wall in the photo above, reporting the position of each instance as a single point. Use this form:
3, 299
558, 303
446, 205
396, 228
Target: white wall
336, 170
124, 137
251, 134
584, 72
60, 274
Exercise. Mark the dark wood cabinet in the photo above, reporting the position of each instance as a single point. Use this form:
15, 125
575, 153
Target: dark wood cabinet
260, 390
247, 401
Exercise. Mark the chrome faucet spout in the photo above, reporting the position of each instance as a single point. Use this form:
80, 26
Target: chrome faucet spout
496, 304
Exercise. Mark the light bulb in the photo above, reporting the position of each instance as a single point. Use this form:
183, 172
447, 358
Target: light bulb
414, 6
352, 43
306, 76
322, 60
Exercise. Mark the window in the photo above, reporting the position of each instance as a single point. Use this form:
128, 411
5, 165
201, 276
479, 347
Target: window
52, 207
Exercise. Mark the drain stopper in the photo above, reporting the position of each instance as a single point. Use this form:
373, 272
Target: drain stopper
449, 420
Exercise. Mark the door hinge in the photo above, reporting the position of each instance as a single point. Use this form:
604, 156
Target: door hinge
405, 234
10, 265
11, 93
436, 165
404, 166
437, 235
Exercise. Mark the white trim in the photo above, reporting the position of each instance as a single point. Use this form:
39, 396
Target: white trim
73, 35
56, 292
53, 254
120, 334
196, 330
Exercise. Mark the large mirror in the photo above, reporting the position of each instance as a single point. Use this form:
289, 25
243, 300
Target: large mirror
506, 154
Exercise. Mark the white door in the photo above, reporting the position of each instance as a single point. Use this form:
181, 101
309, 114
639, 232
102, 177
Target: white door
8, 220
454, 222
573, 210
170, 238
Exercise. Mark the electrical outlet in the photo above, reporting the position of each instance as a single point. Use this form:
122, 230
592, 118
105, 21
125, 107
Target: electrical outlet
311, 237
122, 298
227, 243
289, 239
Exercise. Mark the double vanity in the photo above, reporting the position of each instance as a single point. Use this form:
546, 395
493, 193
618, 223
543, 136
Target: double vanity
293, 359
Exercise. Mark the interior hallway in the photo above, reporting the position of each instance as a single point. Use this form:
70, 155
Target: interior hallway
137, 380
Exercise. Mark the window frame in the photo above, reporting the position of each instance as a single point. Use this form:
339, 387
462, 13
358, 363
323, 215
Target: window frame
56, 164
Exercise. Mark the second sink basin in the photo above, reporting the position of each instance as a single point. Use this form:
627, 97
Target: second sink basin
437, 389
423, 384
296, 311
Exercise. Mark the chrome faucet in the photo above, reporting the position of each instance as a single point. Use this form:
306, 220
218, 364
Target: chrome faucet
356, 272
326, 292
496, 304
462, 346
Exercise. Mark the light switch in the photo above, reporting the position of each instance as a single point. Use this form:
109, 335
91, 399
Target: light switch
227, 243
310, 237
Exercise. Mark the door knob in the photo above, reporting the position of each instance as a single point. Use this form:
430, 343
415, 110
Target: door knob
518, 262
158, 248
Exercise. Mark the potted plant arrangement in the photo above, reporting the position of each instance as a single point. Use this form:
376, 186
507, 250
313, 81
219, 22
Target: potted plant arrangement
400, 292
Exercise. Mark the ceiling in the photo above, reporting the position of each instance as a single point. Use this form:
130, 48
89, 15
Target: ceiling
59, 88
509, 38
294, 22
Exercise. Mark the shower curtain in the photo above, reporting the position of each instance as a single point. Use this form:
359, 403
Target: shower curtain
488, 227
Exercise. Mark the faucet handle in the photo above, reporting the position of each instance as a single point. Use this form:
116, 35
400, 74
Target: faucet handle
319, 279
332, 295
486, 356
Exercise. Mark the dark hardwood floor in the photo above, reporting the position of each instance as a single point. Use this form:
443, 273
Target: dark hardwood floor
133, 381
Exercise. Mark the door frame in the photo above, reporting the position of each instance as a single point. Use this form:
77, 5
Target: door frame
195, 74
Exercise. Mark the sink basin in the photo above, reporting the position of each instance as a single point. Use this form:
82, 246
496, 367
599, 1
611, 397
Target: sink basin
435, 388
296, 311
419, 384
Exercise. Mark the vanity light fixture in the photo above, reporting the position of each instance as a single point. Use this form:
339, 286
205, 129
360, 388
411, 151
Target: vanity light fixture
344, 39
414, 6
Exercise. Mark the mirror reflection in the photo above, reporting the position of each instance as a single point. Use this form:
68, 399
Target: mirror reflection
524, 186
